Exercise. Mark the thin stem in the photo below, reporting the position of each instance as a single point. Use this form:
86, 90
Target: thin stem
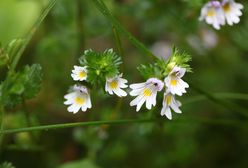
104, 10
1, 126
124, 121
118, 41
225, 104
77, 124
238, 96
30, 34
80, 26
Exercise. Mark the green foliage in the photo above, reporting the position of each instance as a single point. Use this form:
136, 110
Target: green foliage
80, 164
100, 65
181, 59
149, 71
8, 52
21, 85
161, 67
7, 165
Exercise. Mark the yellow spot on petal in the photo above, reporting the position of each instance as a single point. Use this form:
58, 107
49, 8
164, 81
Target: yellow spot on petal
168, 99
147, 92
211, 13
82, 74
173, 82
113, 84
227, 7
80, 100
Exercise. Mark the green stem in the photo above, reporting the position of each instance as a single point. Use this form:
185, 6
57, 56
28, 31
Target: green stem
225, 104
238, 96
30, 34
80, 26
104, 10
124, 121
1, 126
69, 125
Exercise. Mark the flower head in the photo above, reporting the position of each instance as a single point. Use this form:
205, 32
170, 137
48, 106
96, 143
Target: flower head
174, 83
79, 73
232, 11
78, 98
115, 85
169, 103
146, 92
213, 14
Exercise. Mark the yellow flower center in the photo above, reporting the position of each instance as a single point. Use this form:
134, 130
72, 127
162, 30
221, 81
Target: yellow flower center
173, 82
113, 84
227, 7
211, 13
80, 100
168, 99
82, 74
147, 92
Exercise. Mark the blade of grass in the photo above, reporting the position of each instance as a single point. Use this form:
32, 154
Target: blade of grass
30, 34
225, 104
104, 10
185, 120
238, 96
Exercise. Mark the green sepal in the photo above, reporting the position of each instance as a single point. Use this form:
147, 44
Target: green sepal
100, 65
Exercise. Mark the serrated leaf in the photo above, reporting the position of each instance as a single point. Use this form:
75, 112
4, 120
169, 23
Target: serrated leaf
21, 85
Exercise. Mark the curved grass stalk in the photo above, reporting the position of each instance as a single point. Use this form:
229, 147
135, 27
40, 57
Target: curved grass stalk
104, 10
30, 34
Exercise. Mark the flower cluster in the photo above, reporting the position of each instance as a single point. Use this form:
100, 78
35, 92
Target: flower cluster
146, 92
166, 75
218, 13
103, 67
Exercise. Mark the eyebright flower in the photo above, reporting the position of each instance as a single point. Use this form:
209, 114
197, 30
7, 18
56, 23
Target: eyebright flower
174, 83
78, 98
169, 103
232, 11
213, 14
146, 92
115, 85
79, 73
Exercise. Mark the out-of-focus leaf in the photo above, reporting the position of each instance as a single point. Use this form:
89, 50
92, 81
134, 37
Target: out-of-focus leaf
80, 164
7, 165
21, 85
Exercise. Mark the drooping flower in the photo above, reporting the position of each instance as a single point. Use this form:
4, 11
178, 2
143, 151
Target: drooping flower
213, 14
169, 102
174, 83
232, 11
146, 92
78, 99
79, 73
115, 85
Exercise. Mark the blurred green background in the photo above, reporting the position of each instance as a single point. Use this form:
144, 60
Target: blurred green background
205, 135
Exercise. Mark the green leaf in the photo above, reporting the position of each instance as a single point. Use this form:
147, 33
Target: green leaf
21, 85
7, 165
80, 164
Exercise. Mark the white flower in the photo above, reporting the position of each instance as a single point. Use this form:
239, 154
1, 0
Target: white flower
78, 98
169, 103
213, 14
174, 83
232, 11
79, 73
146, 92
115, 85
